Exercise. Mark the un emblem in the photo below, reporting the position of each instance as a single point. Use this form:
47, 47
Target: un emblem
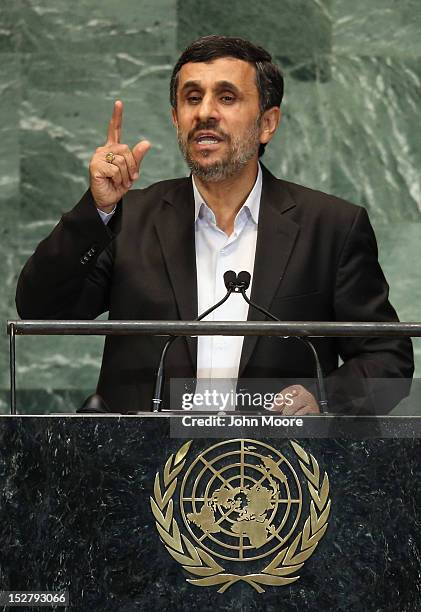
241, 504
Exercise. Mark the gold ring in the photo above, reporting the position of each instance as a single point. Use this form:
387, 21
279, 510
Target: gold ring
110, 157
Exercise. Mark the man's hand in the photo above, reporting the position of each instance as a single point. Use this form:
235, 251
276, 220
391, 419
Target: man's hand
295, 400
110, 181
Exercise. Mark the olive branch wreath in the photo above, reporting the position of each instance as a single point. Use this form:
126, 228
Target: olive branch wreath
199, 563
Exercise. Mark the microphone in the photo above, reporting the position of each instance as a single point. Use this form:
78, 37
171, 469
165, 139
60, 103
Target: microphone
242, 283
230, 279
239, 282
231, 285
243, 280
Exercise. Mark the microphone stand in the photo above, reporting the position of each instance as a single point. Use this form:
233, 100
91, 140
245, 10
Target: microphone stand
238, 284
229, 279
243, 282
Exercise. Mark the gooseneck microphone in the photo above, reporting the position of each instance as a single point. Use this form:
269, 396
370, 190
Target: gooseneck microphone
242, 283
230, 279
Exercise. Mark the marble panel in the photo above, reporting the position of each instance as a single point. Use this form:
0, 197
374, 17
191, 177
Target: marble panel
8, 277
291, 28
376, 140
378, 27
54, 363
9, 198
301, 150
44, 401
10, 91
10, 12
104, 27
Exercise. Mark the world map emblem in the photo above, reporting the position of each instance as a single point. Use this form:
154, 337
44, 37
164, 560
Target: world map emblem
241, 510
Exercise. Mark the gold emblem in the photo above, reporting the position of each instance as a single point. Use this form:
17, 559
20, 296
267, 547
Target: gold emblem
241, 504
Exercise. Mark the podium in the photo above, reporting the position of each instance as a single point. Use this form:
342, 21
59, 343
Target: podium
145, 512
219, 511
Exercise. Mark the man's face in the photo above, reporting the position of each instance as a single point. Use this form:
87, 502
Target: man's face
218, 118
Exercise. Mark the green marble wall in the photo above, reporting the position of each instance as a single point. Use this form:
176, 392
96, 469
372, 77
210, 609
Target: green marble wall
351, 127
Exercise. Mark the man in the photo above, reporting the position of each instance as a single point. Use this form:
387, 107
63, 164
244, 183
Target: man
160, 253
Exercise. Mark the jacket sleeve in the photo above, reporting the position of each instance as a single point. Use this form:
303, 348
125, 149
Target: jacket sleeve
68, 276
376, 373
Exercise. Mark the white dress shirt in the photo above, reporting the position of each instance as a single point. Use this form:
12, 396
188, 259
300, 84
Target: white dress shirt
219, 356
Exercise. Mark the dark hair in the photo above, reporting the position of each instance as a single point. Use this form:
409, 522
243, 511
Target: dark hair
269, 80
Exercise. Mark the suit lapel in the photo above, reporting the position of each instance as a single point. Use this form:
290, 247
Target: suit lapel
175, 228
276, 238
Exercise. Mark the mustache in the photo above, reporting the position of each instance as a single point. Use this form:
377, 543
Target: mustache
206, 126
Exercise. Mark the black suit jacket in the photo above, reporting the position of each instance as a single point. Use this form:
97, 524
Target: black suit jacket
316, 259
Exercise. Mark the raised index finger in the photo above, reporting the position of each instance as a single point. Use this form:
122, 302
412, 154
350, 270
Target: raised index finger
114, 127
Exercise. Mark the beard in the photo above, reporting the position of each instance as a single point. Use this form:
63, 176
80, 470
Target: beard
240, 151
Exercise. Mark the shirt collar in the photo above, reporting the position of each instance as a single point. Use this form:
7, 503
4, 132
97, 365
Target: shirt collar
252, 204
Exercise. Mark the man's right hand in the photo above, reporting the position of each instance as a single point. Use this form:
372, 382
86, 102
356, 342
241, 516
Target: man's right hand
109, 182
